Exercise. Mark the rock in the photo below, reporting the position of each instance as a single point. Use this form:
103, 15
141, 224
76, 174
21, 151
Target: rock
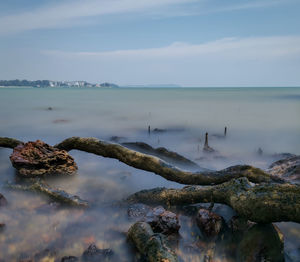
38, 158
238, 224
3, 201
45, 255
94, 254
209, 223
117, 139
138, 210
287, 169
69, 259
260, 151
162, 221
158, 130
61, 121
262, 242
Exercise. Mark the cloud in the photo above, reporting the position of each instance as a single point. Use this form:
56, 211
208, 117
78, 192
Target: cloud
253, 61
242, 48
70, 13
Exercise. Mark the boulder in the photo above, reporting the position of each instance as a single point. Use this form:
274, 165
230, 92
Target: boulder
38, 158
209, 222
95, 254
162, 221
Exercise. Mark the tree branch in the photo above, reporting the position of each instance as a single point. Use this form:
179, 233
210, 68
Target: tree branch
160, 167
264, 203
9, 142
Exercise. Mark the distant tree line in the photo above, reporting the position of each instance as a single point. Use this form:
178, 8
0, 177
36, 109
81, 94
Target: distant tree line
18, 82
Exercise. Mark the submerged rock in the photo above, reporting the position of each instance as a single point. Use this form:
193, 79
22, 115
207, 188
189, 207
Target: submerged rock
69, 259
3, 201
209, 222
138, 210
288, 169
239, 225
261, 243
38, 158
61, 121
95, 254
162, 221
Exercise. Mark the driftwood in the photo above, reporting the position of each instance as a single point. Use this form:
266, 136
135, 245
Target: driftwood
163, 153
153, 246
160, 167
266, 202
263, 203
9, 142
55, 194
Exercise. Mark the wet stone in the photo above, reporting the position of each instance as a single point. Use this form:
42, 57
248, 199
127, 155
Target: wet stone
38, 158
238, 224
3, 201
209, 223
94, 254
69, 259
139, 210
162, 221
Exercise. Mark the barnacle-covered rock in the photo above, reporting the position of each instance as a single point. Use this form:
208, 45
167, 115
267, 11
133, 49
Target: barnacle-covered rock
38, 158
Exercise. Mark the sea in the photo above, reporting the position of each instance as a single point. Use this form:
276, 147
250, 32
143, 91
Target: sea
261, 123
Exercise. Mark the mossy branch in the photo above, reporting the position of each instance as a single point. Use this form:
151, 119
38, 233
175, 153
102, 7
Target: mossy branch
9, 142
263, 203
153, 246
160, 167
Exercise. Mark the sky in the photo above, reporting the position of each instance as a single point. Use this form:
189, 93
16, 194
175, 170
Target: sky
197, 43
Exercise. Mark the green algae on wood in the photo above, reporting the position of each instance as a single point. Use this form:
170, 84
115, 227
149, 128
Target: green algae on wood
160, 167
154, 246
263, 203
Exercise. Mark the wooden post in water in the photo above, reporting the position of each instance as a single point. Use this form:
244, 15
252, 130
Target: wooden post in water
225, 130
206, 140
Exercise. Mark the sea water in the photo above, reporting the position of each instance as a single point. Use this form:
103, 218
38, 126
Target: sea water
265, 119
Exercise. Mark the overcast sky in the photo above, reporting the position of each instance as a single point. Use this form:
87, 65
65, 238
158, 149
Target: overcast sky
131, 42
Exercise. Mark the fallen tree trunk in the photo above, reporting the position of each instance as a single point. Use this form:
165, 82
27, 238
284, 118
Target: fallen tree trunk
153, 246
55, 194
264, 203
159, 167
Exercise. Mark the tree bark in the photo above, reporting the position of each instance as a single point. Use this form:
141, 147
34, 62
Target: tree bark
264, 203
153, 246
159, 167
